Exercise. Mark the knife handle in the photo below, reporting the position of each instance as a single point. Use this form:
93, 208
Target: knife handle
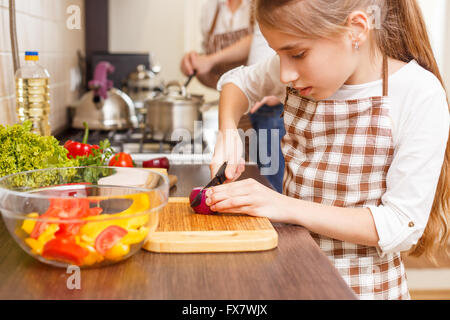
221, 173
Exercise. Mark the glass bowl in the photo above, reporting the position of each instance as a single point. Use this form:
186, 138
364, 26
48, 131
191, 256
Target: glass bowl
84, 216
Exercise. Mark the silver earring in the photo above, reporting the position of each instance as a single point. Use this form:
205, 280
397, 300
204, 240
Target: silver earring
356, 45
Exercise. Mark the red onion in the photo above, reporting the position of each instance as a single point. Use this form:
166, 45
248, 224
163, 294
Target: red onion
162, 162
202, 208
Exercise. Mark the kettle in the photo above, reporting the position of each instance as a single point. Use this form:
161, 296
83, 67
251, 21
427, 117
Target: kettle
104, 107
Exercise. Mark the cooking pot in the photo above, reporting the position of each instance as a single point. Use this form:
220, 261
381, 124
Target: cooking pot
174, 109
143, 84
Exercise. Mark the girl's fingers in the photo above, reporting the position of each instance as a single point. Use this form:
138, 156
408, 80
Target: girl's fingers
214, 167
232, 205
236, 171
215, 197
241, 167
230, 171
233, 172
237, 186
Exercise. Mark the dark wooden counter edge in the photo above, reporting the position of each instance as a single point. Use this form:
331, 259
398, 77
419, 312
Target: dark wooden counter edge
296, 270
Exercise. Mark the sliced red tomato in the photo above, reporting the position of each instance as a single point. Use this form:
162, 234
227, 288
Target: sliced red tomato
40, 226
72, 208
74, 228
95, 211
121, 159
68, 229
64, 249
108, 238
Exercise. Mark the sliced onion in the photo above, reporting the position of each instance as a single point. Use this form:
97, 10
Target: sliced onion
202, 208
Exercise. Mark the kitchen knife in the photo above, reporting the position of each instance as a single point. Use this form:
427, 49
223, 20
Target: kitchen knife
219, 178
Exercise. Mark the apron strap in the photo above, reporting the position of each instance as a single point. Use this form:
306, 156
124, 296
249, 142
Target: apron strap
385, 76
213, 26
252, 16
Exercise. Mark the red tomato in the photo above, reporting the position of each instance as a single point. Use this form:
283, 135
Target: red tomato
70, 208
64, 249
108, 238
67, 229
74, 228
121, 159
40, 226
95, 211
64, 209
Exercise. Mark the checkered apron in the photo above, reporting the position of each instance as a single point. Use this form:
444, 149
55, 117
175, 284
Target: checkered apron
338, 153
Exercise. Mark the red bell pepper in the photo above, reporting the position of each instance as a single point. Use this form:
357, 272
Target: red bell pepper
65, 248
77, 149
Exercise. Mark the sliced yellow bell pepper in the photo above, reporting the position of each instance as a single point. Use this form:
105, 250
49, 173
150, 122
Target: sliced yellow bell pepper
135, 236
141, 204
92, 229
93, 257
117, 251
28, 225
48, 234
37, 245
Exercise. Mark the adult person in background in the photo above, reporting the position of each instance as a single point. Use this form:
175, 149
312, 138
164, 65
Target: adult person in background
264, 116
223, 23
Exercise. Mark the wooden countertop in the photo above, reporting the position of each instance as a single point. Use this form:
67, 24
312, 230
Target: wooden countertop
296, 270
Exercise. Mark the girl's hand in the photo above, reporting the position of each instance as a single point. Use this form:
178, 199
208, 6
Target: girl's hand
248, 197
271, 101
228, 148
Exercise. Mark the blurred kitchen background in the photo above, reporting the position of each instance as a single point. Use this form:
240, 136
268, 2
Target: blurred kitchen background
156, 33
162, 29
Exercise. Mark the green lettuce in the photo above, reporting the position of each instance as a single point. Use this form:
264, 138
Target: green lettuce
22, 150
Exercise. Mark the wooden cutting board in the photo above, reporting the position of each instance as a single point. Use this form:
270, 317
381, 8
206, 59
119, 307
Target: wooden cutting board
182, 230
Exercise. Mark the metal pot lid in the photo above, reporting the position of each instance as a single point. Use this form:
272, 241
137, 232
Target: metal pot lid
175, 92
141, 73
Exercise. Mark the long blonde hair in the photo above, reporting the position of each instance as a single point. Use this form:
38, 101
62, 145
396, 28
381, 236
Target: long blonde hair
401, 34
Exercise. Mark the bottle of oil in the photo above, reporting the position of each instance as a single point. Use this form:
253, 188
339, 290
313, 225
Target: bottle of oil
33, 94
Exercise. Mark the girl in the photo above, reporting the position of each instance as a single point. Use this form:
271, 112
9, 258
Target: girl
366, 148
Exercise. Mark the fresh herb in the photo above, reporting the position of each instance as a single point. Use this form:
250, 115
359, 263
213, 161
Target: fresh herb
98, 158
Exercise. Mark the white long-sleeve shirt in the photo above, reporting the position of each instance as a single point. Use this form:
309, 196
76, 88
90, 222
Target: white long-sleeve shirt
420, 129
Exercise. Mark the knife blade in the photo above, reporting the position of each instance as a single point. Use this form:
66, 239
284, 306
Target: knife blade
218, 179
